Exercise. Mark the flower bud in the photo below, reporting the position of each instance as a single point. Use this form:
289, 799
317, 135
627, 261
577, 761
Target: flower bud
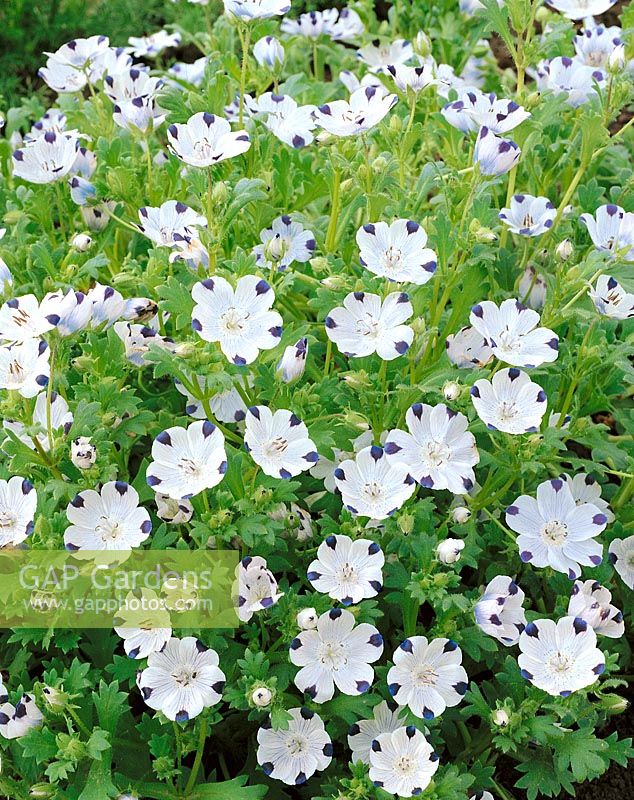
262, 697
54, 698
543, 14
451, 390
422, 44
174, 511
307, 619
406, 523
616, 60
358, 380
395, 123
500, 717
220, 192
83, 454
564, 250
460, 515
614, 703
42, 790
379, 164
81, 242
481, 233
448, 551
293, 362
268, 52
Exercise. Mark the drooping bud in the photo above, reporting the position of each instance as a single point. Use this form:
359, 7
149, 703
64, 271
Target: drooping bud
500, 717
448, 551
564, 250
461, 514
81, 242
307, 619
262, 697
451, 390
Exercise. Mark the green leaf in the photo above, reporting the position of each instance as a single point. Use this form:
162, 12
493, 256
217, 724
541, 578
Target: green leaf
228, 790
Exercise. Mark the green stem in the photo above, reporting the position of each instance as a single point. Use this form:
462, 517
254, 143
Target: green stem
80, 725
198, 758
245, 40
331, 234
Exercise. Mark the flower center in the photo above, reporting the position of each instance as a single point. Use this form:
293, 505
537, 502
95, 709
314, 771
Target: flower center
527, 221
555, 533
184, 676
405, 766
560, 662
274, 448
7, 519
203, 149
16, 371
347, 573
424, 675
190, 467
296, 745
373, 491
20, 318
392, 259
435, 453
333, 655
108, 528
507, 410
369, 326
234, 320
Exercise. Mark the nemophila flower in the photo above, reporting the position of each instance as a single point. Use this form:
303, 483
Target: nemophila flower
256, 9
257, 587
365, 109
133, 82
83, 453
397, 251
153, 45
347, 570
594, 45
366, 325
60, 417
186, 461
182, 679
438, 450
47, 159
68, 310
268, 52
75, 64
17, 720
337, 653
500, 610
107, 520
225, 406
139, 309
173, 511
289, 122
161, 224
25, 367
107, 305
190, 250
293, 362
610, 298
509, 402
592, 602
312, 24
512, 334
468, 349
352, 83
532, 289
53, 119
18, 501
475, 109
448, 551
611, 229
365, 731
494, 155
145, 626
483, 795
585, 489
427, 676
115, 60
569, 76
205, 140
139, 339
23, 318
307, 619
414, 78
347, 27
379, 56
560, 657
581, 9
446, 80
293, 754
97, 217
372, 485
239, 319
189, 73
284, 243
402, 762
554, 531
621, 555
278, 442
528, 215
139, 115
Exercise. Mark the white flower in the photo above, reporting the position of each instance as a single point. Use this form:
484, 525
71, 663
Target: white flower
581, 9
140, 114
397, 251
239, 319
47, 159
365, 324
225, 406
610, 299
69, 311
268, 52
378, 56
528, 215
294, 754
336, 653
611, 229
107, 305
23, 318
585, 489
591, 602
18, 501
83, 454
186, 461
460, 515
363, 733
107, 520
438, 451
621, 555
190, 250
509, 402
145, 626
595, 45
278, 442
261, 697
560, 657
75, 64
555, 531
347, 570
153, 45
500, 610
468, 349
160, 225
60, 417
569, 76
307, 619
293, 362
257, 587
193, 73
512, 334
283, 243
372, 486
174, 511
138, 341
495, 156
475, 109
414, 78
348, 26
402, 762
427, 676
312, 24
532, 289
366, 108
289, 122
256, 9
448, 551
25, 367
131, 83
17, 720
52, 120
182, 680
205, 140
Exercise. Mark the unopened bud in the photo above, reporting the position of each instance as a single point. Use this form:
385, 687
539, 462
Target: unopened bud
83, 454
358, 380
54, 698
379, 164
42, 790
262, 696
500, 717
451, 390
406, 523
617, 60
448, 551
422, 44
460, 515
614, 703
307, 619
220, 192
395, 123
481, 233
81, 242
564, 250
